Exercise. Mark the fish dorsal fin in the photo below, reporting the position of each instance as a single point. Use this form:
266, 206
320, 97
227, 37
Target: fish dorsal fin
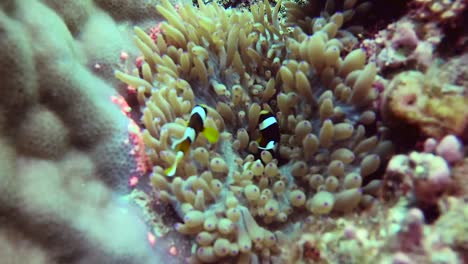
211, 134
201, 111
204, 106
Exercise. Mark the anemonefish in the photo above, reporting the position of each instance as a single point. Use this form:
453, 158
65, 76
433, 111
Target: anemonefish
195, 125
269, 130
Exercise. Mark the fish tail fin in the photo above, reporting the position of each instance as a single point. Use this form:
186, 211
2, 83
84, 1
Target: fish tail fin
172, 169
211, 134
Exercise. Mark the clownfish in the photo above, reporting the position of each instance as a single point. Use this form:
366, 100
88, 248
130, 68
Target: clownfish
269, 130
195, 125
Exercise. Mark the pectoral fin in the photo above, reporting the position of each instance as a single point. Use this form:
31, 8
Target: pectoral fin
176, 143
270, 146
172, 169
182, 144
259, 140
211, 134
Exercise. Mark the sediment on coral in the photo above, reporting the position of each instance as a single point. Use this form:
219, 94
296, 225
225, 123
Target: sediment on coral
235, 199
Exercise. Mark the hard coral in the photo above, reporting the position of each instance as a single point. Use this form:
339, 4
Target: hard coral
231, 195
415, 242
74, 14
452, 226
42, 134
404, 43
307, 250
412, 98
135, 11
445, 11
442, 242
422, 176
459, 173
63, 152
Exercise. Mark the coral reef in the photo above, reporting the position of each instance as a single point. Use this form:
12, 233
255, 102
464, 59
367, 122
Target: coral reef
446, 12
404, 44
416, 243
425, 177
414, 41
421, 58
232, 196
241, 203
343, 131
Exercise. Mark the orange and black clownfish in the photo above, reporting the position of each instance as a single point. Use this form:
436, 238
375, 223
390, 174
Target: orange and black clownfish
195, 125
269, 130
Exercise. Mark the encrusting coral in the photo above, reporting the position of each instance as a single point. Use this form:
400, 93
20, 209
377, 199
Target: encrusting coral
414, 98
233, 197
447, 11
425, 177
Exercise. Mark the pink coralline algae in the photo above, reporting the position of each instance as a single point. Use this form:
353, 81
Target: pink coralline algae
450, 148
134, 139
423, 175
155, 31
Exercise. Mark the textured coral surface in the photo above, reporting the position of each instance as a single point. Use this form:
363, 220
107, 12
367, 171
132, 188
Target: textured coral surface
65, 146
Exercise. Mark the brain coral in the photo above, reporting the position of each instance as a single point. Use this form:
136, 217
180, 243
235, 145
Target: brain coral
63, 154
233, 198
